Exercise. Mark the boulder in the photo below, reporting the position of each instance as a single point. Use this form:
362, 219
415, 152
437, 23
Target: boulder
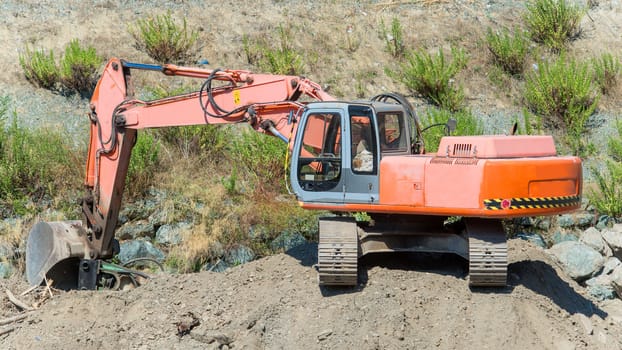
239, 255
578, 260
613, 237
534, 238
592, 237
6, 251
563, 236
171, 234
600, 287
6, 269
218, 266
139, 249
287, 240
134, 230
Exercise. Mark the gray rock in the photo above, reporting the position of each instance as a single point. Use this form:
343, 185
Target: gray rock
603, 222
534, 238
286, 241
139, 249
239, 255
6, 269
613, 238
592, 237
171, 234
218, 266
584, 219
578, 260
133, 230
565, 221
7, 251
563, 236
544, 224
600, 287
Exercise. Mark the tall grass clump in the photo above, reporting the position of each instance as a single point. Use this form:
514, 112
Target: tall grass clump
163, 39
608, 198
279, 58
394, 38
561, 92
75, 72
606, 72
35, 164
553, 22
78, 67
466, 124
40, 68
508, 51
432, 76
144, 163
262, 157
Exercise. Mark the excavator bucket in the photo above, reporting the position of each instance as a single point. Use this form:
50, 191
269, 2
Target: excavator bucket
54, 249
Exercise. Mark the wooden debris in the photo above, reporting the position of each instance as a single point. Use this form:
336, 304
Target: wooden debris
20, 304
13, 319
7, 330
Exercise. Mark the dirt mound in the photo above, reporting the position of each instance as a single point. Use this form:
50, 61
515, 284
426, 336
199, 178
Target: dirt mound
409, 302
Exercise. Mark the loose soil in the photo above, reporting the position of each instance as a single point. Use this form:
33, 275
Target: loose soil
402, 302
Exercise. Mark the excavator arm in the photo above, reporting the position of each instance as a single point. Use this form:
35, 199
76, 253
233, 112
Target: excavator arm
269, 103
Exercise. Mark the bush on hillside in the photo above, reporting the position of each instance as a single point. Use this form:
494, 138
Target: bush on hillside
606, 72
163, 39
279, 58
78, 68
553, 22
432, 76
40, 68
561, 92
508, 51
608, 198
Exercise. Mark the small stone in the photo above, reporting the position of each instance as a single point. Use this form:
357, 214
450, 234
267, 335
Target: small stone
324, 335
585, 322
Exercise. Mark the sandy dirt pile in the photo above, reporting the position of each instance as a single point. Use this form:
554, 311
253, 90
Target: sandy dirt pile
275, 303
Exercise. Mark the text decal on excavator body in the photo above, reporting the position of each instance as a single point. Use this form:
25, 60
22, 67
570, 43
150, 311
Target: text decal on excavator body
531, 202
236, 97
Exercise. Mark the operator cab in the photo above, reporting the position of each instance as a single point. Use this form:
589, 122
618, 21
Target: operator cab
337, 153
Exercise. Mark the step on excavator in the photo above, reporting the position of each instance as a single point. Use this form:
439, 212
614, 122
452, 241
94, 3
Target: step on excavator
346, 157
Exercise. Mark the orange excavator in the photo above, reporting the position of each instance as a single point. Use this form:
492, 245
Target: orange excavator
346, 157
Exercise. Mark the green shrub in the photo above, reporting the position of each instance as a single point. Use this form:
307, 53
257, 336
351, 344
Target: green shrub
608, 198
466, 124
508, 51
562, 93
40, 68
553, 22
606, 72
394, 38
78, 67
34, 163
282, 59
164, 40
261, 156
432, 76
143, 163
201, 141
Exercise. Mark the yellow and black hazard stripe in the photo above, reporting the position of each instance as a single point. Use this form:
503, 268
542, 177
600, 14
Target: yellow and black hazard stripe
531, 202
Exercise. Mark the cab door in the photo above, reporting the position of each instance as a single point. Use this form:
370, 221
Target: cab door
362, 156
316, 173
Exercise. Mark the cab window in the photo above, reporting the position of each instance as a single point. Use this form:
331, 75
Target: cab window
391, 132
319, 160
362, 134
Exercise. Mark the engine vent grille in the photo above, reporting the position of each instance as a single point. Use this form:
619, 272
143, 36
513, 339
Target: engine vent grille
462, 150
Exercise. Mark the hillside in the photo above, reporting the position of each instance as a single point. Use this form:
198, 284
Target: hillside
401, 302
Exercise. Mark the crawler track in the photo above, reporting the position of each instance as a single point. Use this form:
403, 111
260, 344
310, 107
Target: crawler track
488, 253
338, 252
